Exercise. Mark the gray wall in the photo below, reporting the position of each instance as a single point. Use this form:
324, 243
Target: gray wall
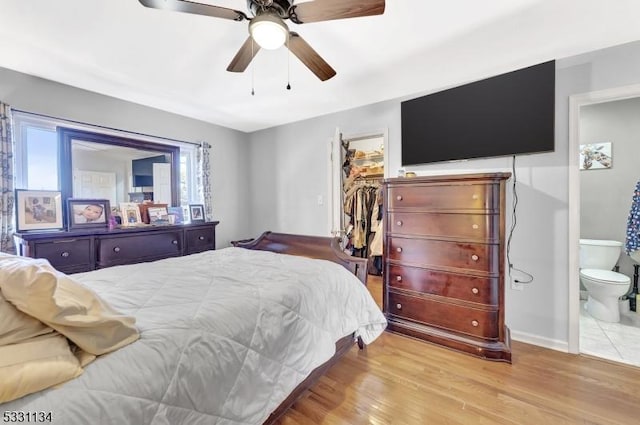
229, 147
606, 194
289, 169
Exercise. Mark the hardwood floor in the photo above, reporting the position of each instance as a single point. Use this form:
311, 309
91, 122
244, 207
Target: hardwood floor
398, 380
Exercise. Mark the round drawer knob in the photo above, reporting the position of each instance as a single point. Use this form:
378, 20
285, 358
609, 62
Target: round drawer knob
475, 290
116, 249
475, 227
474, 323
399, 306
65, 254
399, 278
399, 223
174, 242
474, 257
399, 197
399, 249
474, 196
201, 238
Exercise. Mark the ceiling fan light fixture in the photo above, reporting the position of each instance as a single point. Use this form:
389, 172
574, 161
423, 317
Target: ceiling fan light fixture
268, 30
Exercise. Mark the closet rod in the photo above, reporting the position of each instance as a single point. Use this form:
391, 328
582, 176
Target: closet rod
106, 128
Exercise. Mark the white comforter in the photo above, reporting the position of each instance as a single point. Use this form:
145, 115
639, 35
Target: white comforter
225, 336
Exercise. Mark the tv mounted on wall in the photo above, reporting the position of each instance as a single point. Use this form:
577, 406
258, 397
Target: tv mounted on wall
508, 114
142, 170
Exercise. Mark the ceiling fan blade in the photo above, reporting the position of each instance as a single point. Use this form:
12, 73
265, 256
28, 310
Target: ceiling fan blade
195, 8
327, 10
243, 58
310, 57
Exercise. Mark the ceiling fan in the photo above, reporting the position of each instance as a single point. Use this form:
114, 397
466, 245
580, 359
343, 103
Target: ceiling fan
268, 29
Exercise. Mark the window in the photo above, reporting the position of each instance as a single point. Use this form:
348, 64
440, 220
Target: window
36, 154
36, 150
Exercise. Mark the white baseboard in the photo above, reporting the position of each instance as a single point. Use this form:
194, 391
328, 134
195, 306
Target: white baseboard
552, 344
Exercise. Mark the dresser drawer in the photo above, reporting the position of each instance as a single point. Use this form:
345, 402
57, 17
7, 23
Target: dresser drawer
444, 254
138, 248
442, 197
66, 255
200, 239
482, 290
461, 226
453, 317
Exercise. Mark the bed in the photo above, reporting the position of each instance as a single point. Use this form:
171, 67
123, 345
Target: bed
233, 336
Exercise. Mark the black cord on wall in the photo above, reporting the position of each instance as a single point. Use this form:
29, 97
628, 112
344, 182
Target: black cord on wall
513, 228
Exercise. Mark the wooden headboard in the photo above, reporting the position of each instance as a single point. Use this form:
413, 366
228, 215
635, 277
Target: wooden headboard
325, 248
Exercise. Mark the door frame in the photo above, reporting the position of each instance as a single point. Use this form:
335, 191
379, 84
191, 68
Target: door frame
575, 103
335, 171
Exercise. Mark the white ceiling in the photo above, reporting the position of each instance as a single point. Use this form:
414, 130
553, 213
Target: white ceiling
177, 62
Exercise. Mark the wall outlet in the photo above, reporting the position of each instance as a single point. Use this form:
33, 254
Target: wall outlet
517, 278
320, 200
517, 286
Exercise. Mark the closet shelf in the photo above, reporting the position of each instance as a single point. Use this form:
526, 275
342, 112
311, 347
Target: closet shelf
369, 158
370, 176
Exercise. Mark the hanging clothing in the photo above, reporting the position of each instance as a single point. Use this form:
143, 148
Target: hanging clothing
360, 201
632, 241
375, 248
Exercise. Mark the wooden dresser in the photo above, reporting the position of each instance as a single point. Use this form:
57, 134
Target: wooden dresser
444, 261
82, 251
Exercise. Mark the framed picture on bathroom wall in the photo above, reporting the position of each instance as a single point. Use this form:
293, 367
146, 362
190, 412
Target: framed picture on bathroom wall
595, 156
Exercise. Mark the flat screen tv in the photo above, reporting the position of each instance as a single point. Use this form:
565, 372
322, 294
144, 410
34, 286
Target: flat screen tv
142, 170
508, 114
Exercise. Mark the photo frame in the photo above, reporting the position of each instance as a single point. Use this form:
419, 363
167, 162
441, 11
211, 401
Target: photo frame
196, 213
130, 213
144, 210
596, 156
38, 210
82, 213
177, 213
158, 216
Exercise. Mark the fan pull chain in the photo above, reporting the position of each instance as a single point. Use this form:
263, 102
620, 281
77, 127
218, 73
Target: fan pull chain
288, 62
253, 66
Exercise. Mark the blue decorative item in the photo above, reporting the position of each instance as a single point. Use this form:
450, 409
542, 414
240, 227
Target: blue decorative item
632, 241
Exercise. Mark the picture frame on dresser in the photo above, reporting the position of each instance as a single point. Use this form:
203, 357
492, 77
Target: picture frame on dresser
158, 216
38, 210
177, 213
196, 213
130, 213
144, 210
84, 213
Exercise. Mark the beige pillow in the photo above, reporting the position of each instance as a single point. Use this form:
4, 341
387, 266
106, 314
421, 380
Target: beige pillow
35, 364
15, 326
37, 289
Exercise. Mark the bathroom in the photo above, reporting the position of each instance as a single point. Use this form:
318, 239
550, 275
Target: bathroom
608, 179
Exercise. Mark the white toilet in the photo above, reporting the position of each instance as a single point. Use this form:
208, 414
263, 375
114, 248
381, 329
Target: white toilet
604, 286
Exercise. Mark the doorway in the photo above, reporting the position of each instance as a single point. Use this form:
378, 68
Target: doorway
583, 331
358, 173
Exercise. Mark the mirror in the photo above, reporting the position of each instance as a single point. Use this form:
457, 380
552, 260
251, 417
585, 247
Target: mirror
99, 166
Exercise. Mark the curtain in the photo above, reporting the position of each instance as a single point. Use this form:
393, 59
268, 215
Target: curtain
203, 179
6, 181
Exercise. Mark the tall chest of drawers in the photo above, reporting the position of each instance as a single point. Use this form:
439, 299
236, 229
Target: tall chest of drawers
444, 261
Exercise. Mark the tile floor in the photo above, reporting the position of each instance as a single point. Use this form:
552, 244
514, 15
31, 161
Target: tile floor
613, 341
